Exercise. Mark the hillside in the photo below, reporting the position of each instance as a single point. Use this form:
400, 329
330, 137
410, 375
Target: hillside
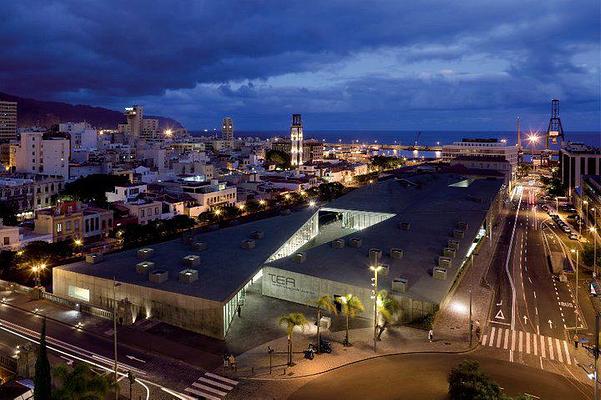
31, 112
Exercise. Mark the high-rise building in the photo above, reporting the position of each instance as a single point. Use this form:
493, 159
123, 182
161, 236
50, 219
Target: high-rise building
227, 128
135, 116
8, 120
296, 141
577, 160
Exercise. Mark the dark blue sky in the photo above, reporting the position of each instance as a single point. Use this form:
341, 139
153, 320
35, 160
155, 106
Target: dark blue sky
422, 64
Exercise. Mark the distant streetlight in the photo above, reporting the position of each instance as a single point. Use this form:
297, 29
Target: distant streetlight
262, 202
533, 139
312, 203
217, 211
77, 242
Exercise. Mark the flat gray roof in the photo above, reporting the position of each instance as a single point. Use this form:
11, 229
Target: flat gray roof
224, 266
433, 208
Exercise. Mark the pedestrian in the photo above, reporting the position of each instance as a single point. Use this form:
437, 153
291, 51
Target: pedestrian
430, 335
233, 364
239, 310
226, 360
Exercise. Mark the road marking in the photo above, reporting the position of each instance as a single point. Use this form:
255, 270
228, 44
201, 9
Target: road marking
551, 348
222, 378
559, 354
534, 293
520, 346
499, 315
202, 394
542, 346
214, 383
499, 337
535, 345
506, 341
135, 358
512, 340
527, 342
492, 336
209, 389
568, 357
484, 340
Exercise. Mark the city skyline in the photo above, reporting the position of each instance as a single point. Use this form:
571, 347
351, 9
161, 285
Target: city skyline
342, 65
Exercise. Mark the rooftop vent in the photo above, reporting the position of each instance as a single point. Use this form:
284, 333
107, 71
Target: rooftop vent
396, 253
404, 226
248, 244
158, 276
191, 260
188, 275
199, 246
375, 255
448, 252
458, 233
300, 258
439, 273
444, 262
453, 244
384, 270
400, 285
355, 242
338, 243
145, 253
257, 235
143, 267
94, 258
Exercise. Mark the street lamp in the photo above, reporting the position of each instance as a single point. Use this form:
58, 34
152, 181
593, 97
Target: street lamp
576, 307
37, 270
374, 292
533, 139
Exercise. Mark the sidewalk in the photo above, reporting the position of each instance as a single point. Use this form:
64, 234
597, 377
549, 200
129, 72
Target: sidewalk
255, 362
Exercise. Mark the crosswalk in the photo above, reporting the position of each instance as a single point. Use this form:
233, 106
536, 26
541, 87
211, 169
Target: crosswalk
530, 343
211, 387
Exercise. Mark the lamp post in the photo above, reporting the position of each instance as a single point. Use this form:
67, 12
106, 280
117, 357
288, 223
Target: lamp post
37, 270
471, 322
585, 202
576, 307
375, 269
533, 139
593, 230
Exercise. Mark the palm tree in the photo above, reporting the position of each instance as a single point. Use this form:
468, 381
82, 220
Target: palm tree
42, 380
388, 306
80, 383
325, 303
291, 321
351, 306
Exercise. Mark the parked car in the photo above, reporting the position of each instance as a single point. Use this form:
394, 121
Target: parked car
566, 229
573, 236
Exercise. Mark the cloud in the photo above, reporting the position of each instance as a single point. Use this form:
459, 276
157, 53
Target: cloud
264, 59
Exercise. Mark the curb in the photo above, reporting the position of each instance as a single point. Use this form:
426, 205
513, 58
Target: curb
469, 350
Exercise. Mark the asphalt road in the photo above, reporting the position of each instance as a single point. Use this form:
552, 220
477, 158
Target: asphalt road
419, 377
75, 345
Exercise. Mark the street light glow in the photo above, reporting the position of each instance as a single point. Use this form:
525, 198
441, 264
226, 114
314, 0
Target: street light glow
533, 138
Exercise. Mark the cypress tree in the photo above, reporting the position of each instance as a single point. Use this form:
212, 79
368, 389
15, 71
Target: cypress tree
42, 380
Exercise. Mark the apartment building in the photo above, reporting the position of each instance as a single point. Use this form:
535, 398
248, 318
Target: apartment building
63, 222
211, 194
38, 153
29, 192
82, 135
126, 193
97, 223
144, 210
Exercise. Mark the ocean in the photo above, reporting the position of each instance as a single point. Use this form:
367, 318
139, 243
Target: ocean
410, 137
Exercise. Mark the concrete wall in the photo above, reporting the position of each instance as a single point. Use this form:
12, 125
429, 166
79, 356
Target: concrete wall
306, 289
188, 312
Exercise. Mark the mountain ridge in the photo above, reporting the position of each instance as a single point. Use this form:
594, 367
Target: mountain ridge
33, 112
